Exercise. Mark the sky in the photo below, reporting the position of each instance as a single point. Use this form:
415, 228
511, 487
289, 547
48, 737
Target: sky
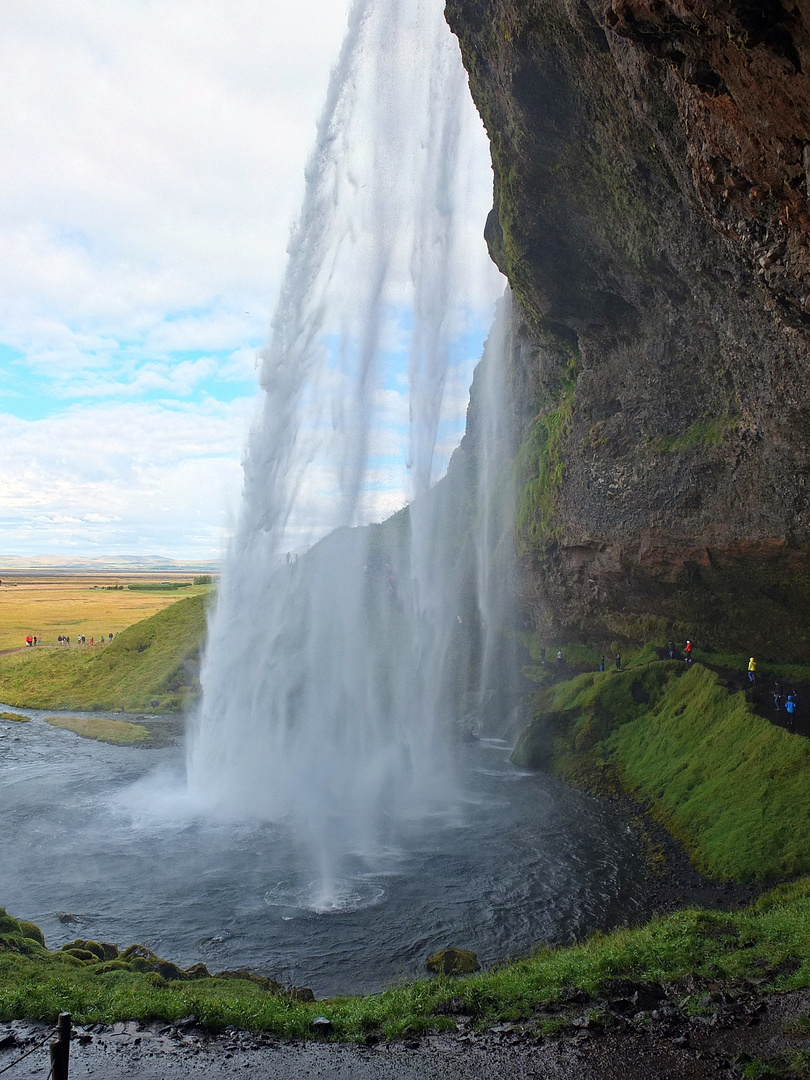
153, 164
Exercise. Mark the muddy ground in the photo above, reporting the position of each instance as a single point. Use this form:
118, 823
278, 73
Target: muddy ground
641, 1030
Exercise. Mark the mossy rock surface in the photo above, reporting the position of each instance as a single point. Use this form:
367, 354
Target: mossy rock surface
97, 951
113, 965
141, 951
198, 971
250, 976
32, 931
84, 955
452, 961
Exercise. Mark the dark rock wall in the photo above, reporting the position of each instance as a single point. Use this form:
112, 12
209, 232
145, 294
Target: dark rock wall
651, 167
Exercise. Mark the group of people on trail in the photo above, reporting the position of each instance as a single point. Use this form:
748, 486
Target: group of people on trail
791, 702
64, 639
672, 651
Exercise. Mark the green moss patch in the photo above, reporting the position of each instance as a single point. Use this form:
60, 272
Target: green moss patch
701, 434
117, 732
17, 717
539, 468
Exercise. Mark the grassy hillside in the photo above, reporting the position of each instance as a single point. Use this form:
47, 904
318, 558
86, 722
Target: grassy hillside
727, 784
768, 942
156, 660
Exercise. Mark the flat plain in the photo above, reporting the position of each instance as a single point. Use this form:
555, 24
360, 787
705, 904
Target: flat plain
47, 605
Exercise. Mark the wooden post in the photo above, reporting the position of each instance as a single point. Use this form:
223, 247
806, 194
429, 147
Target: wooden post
60, 1049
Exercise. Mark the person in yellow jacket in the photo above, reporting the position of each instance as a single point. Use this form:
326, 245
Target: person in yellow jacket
752, 667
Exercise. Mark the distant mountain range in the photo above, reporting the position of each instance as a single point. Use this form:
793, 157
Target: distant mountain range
131, 563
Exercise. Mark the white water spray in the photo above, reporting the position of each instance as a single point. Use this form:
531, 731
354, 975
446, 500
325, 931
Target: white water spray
328, 681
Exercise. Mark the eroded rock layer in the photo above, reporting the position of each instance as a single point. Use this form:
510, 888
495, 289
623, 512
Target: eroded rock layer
651, 213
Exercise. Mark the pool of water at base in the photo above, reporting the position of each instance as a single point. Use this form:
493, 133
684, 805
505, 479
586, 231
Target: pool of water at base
95, 843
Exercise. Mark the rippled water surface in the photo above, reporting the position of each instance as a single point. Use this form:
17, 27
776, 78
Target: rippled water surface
102, 834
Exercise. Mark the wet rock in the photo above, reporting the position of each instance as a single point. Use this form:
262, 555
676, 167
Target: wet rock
300, 993
572, 995
321, 1025
452, 961
646, 996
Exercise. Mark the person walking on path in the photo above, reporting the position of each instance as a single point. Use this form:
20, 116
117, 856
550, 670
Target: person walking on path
777, 695
601, 663
752, 670
790, 708
618, 661
688, 650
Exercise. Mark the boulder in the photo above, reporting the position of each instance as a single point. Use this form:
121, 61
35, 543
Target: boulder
452, 961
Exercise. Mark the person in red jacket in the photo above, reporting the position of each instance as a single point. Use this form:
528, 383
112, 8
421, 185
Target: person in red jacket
688, 651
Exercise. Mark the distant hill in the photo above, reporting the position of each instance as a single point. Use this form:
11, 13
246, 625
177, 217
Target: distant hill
103, 564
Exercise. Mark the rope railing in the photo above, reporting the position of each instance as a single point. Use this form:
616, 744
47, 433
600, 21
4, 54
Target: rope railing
60, 1050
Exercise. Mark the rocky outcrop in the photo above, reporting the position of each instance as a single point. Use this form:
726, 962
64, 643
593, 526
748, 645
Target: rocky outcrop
651, 213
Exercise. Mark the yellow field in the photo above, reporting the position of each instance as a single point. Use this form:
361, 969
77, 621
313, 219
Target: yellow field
73, 604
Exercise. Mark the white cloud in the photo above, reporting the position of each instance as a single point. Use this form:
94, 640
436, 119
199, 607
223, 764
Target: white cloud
153, 161
144, 479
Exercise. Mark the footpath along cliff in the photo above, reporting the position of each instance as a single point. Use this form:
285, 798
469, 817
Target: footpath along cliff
651, 212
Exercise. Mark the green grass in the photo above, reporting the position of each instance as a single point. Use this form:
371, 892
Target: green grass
18, 717
157, 659
117, 732
700, 434
726, 783
770, 939
729, 786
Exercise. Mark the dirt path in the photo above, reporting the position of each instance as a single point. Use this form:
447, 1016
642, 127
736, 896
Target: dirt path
644, 1033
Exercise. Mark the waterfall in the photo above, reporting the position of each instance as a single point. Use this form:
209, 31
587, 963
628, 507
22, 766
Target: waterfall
330, 680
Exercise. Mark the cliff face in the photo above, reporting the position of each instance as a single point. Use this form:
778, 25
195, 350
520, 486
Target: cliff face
652, 165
